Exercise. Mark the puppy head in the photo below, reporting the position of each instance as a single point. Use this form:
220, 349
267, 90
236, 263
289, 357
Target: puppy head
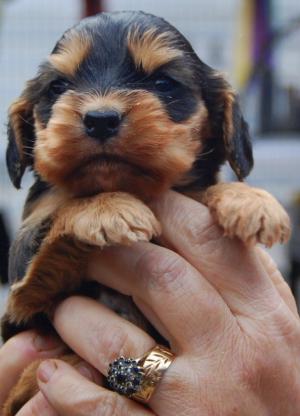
124, 103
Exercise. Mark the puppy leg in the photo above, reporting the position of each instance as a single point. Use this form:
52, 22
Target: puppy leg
27, 386
106, 219
55, 272
251, 214
58, 269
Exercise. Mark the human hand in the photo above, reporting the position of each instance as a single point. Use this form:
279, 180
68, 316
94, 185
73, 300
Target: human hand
19, 352
229, 317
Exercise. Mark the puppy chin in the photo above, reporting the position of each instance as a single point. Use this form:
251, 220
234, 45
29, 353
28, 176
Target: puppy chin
113, 177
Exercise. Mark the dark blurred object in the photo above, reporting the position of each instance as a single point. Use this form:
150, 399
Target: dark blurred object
286, 110
294, 248
4, 248
91, 7
264, 52
279, 108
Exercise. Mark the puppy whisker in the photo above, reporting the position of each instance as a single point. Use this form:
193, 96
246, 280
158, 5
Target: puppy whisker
25, 120
202, 155
27, 154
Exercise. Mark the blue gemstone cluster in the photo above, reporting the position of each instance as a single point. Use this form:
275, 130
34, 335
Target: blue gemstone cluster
125, 376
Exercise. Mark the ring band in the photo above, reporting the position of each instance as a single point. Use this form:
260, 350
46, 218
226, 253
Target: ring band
138, 378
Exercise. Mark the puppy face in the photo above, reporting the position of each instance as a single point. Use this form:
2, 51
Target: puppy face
123, 103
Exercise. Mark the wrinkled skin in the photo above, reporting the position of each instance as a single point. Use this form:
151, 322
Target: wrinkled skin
229, 316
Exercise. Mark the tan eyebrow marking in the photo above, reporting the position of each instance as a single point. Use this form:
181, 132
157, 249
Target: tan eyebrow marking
150, 50
72, 51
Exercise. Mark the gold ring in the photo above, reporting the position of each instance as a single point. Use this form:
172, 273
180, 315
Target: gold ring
138, 378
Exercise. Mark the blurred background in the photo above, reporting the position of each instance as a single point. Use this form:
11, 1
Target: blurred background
255, 42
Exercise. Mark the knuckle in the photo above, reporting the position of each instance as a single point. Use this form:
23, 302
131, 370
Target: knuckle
160, 269
201, 228
110, 343
171, 386
109, 405
258, 364
284, 287
23, 346
281, 325
102, 404
37, 406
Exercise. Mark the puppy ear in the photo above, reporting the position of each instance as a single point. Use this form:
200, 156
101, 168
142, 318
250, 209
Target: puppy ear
228, 123
236, 136
20, 132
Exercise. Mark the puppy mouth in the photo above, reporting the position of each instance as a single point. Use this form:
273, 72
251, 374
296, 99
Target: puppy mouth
106, 160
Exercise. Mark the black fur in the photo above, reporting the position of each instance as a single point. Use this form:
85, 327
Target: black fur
15, 160
29, 237
4, 247
18, 159
109, 66
38, 189
24, 248
240, 152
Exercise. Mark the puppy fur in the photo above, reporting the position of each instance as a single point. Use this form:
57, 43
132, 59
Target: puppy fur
179, 122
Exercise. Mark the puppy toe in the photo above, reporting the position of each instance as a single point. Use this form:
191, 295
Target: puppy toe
251, 214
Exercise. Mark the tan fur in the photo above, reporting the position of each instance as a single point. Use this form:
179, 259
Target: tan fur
151, 50
251, 214
204, 133
59, 267
150, 154
229, 99
27, 385
105, 219
72, 51
44, 207
156, 152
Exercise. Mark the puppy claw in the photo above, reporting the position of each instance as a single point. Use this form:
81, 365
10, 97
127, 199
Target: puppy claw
251, 214
128, 226
107, 219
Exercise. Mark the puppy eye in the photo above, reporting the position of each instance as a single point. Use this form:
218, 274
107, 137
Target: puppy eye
58, 87
165, 84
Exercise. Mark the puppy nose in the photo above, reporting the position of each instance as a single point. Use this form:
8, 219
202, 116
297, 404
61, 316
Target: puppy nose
102, 124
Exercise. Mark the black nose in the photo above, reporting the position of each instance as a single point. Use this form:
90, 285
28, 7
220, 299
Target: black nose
102, 125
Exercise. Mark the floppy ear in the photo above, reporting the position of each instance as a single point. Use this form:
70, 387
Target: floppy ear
228, 122
20, 138
236, 136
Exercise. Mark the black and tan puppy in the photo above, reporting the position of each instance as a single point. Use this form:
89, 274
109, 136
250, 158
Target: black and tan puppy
121, 111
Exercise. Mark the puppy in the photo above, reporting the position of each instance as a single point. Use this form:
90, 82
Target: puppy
121, 111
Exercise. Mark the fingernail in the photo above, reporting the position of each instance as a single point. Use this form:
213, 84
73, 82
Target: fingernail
46, 370
85, 372
46, 343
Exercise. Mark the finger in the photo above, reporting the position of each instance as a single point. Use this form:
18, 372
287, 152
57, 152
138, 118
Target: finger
97, 334
278, 280
188, 307
71, 394
37, 406
105, 336
18, 352
231, 267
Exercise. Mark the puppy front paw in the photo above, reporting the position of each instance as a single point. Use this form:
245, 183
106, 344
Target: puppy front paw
127, 221
106, 219
251, 214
